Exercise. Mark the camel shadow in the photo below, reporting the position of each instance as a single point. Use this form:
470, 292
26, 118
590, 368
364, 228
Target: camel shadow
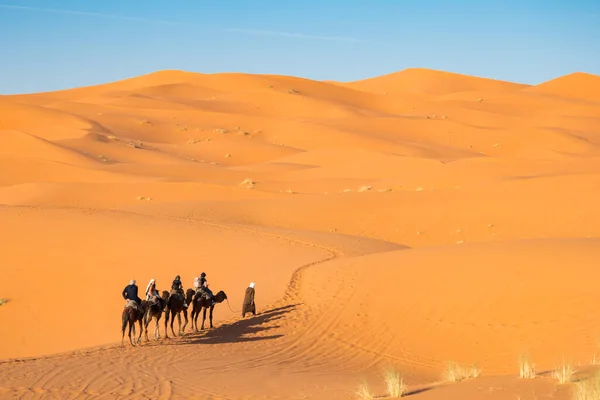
242, 330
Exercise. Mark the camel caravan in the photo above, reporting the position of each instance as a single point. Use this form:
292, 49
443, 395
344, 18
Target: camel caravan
173, 303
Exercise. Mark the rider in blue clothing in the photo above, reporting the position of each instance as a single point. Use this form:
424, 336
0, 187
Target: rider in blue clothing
131, 293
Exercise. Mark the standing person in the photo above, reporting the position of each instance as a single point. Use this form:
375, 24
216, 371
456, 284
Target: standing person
131, 293
248, 305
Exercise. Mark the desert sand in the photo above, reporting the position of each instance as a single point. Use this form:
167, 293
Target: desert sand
404, 221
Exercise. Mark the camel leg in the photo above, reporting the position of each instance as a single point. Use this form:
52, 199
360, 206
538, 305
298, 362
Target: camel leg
123, 326
180, 333
147, 319
131, 326
172, 321
186, 321
133, 336
203, 318
139, 339
167, 313
157, 328
211, 315
192, 318
195, 313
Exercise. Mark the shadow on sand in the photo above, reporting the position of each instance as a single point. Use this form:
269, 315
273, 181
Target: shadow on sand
243, 330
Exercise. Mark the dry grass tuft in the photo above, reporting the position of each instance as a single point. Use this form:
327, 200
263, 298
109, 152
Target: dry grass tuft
220, 130
3, 302
394, 383
363, 392
364, 188
526, 368
457, 373
564, 373
588, 389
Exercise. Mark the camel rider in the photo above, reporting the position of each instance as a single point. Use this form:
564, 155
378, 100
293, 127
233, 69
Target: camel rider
177, 286
204, 288
152, 293
131, 293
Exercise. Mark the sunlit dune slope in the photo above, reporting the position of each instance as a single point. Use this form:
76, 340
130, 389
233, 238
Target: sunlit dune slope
575, 86
410, 219
81, 261
486, 303
430, 82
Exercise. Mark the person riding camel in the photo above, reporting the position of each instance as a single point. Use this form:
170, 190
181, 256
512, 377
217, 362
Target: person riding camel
131, 293
177, 286
151, 292
203, 288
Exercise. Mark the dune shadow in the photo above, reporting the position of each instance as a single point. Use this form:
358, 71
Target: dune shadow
242, 330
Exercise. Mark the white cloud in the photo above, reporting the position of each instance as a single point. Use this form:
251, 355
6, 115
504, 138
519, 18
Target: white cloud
91, 14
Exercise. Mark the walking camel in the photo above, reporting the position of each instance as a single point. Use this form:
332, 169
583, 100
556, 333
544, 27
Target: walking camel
131, 314
175, 307
202, 303
155, 310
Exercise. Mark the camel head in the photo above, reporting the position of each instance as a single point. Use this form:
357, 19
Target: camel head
220, 297
189, 296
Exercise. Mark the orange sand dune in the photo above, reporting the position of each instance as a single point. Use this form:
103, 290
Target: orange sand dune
406, 220
577, 86
430, 82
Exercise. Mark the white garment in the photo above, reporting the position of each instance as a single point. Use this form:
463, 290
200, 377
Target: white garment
252, 285
148, 294
196, 283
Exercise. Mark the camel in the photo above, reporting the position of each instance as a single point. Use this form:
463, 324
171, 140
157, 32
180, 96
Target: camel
200, 302
154, 311
131, 315
175, 307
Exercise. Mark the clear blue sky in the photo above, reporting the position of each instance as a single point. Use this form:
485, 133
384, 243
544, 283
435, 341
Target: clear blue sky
58, 44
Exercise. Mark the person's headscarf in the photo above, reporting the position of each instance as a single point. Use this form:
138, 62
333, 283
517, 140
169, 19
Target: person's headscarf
150, 284
252, 285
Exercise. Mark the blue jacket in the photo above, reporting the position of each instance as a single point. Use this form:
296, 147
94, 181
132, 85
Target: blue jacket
131, 293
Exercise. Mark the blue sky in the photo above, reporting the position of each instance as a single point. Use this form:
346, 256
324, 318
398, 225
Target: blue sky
58, 44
